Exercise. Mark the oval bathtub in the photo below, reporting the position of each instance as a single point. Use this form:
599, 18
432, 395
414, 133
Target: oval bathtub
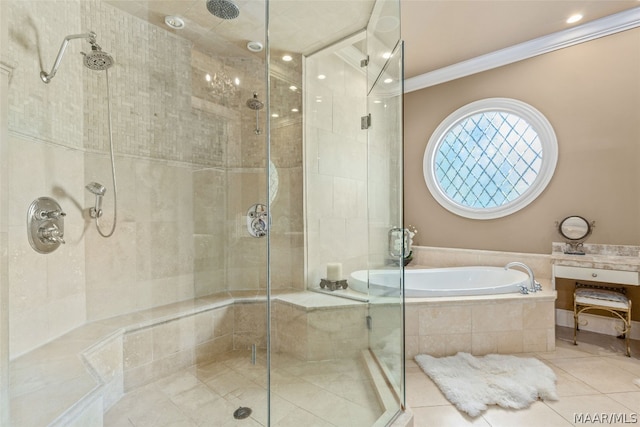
440, 282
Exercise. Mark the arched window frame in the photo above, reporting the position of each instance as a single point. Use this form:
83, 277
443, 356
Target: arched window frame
549, 156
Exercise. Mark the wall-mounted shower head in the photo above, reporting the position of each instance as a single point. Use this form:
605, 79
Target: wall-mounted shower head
224, 9
98, 190
254, 103
96, 59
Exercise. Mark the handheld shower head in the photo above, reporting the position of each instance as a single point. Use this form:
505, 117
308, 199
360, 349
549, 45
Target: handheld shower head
98, 190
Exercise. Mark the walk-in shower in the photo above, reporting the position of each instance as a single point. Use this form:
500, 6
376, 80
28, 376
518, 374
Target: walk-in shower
181, 317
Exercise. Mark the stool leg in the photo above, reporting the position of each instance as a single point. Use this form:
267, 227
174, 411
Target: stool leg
628, 334
575, 325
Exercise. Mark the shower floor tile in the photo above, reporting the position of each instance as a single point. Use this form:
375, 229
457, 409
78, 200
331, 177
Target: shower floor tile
336, 393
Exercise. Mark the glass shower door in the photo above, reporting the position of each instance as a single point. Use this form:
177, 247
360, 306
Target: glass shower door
386, 230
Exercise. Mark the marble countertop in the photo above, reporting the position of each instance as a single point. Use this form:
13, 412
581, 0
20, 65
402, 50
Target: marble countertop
606, 257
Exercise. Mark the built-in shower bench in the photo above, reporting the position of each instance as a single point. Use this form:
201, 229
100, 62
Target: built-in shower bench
74, 379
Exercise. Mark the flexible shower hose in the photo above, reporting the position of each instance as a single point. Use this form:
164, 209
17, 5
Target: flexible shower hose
113, 169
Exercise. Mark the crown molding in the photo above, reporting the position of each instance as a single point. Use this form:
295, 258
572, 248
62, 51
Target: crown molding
608, 25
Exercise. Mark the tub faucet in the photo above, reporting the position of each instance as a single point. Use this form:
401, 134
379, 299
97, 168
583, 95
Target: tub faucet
533, 285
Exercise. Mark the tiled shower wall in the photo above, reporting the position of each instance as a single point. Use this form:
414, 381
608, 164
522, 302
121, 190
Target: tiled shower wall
188, 167
45, 158
336, 166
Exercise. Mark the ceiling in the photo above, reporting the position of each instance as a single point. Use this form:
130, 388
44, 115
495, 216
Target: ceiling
437, 33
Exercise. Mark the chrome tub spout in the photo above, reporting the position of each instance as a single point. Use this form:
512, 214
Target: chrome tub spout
533, 285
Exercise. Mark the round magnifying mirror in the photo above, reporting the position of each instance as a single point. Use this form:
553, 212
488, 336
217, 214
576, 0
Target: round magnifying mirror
574, 228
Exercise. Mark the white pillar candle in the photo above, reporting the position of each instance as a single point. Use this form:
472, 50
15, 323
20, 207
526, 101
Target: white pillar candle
334, 271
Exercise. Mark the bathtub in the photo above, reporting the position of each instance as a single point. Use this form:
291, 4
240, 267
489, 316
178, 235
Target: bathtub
439, 282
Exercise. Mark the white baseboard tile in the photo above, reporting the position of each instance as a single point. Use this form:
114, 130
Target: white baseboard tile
598, 324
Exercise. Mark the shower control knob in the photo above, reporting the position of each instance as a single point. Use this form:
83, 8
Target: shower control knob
45, 225
49, 214
51, 234
257, 220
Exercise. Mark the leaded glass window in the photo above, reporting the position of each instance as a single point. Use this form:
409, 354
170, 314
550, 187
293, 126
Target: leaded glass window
490, 158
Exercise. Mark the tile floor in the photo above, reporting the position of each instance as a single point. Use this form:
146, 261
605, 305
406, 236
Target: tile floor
305, 394
593, 377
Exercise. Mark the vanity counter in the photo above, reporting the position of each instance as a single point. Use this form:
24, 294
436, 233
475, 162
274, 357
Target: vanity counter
602, 263
606, 257
610, 266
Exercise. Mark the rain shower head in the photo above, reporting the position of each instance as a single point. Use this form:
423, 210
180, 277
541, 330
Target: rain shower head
254, 103
96, 188
224, 9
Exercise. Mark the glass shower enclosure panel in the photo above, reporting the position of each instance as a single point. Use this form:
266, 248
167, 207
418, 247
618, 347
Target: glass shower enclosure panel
385, 220
317, 95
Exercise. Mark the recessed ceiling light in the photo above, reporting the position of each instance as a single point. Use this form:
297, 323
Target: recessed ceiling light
237, 81
294, 110
292, 87
254, 46
207, 77
386, 55
321, 77
174, 22
574, 18
287, 58
388, 80
275, 115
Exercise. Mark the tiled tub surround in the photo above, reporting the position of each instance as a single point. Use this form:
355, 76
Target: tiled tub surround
605, 265
507, 323
74, 379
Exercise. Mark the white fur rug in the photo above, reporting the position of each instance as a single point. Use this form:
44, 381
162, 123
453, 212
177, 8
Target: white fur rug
471, 383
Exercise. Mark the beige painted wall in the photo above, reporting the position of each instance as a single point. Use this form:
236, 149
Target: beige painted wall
591, 95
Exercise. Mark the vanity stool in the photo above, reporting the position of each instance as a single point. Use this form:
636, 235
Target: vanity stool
613, 300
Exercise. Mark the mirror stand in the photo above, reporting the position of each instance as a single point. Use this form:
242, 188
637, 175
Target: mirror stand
574, 248
575, 229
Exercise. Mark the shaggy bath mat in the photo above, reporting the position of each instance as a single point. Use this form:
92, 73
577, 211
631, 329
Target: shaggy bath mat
471, 383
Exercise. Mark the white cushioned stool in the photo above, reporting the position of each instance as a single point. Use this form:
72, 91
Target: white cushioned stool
586, 297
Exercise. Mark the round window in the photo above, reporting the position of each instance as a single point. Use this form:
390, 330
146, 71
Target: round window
490, 158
